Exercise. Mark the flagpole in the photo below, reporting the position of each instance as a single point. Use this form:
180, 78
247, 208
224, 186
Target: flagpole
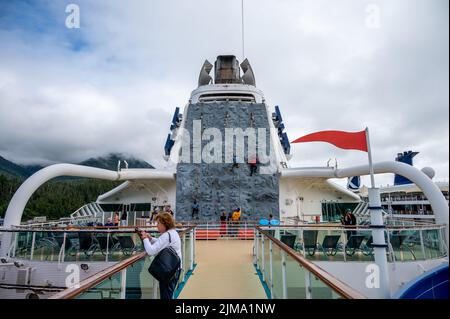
369, 149
378, 230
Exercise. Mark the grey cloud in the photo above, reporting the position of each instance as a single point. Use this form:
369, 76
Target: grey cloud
316, 59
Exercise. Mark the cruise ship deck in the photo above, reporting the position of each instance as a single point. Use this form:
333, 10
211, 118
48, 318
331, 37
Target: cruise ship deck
224, 270
235, 261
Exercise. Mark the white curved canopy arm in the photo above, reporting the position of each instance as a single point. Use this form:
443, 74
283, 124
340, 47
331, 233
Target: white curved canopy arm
429, 188
17, 205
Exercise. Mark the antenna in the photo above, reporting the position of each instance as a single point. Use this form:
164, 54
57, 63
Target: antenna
243, 32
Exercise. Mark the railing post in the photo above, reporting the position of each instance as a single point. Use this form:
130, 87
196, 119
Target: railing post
134, 219
14, 245
107, 247
277, 233
257, 248
195, 245
184, 256
63, 248
344, 236
33, 242
303, 241
123, 284
191, 243
283, 274
422, 244
103, 218
376, 219
271, 268
308, 288
262, 258
440, 241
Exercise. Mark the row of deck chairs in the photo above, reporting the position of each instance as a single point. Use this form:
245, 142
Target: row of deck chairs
331, 245
89, 243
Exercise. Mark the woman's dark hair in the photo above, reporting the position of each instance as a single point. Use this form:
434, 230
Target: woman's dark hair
166, 219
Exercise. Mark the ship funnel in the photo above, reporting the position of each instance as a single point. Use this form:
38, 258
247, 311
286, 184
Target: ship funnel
227, 70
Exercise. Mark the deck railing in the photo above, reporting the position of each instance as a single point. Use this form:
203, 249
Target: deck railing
354, 243
129, 279
94, 244
288, 275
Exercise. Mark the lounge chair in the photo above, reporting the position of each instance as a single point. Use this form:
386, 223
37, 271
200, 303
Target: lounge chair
330, 245
398, 242
288, 239
309, 242
354, 244
105, 245
367, 247
88, 243
126, 245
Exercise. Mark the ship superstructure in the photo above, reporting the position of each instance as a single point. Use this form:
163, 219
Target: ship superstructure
227, 150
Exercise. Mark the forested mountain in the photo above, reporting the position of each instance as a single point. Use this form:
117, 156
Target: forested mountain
61, 197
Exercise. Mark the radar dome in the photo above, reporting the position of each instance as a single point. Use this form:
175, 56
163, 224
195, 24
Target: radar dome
429, 172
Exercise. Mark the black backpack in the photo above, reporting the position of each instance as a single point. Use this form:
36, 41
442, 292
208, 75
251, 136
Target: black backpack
165, 265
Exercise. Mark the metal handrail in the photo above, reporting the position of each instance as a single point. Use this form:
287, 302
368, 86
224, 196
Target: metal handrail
114, 230
96, 279
103, 275
338, 286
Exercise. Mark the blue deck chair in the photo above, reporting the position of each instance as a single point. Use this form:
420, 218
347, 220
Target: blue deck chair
354, 244
330, 245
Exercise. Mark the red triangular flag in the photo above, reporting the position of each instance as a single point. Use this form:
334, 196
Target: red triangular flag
345, 140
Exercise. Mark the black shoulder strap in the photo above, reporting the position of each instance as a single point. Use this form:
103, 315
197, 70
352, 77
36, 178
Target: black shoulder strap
170, 239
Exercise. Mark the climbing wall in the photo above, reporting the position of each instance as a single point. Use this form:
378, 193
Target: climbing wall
217, 187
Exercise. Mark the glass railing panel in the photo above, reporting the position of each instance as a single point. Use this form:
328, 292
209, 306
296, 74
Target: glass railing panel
267, 261
277, 279
22, 245
108, 289
404, 245
140, 284
358, 246
261, 252
187, 257
121, 245
87, 246
433, 243
319, 290
295, 279
185, 267
47, 246
322, 244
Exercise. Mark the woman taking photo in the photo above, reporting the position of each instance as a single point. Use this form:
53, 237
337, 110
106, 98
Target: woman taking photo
169, 237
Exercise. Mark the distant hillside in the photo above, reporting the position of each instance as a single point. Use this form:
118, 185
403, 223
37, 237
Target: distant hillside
109, 162
55, 199
11, 169
62, 196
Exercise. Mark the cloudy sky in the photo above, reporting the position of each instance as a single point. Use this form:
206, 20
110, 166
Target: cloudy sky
112, 84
